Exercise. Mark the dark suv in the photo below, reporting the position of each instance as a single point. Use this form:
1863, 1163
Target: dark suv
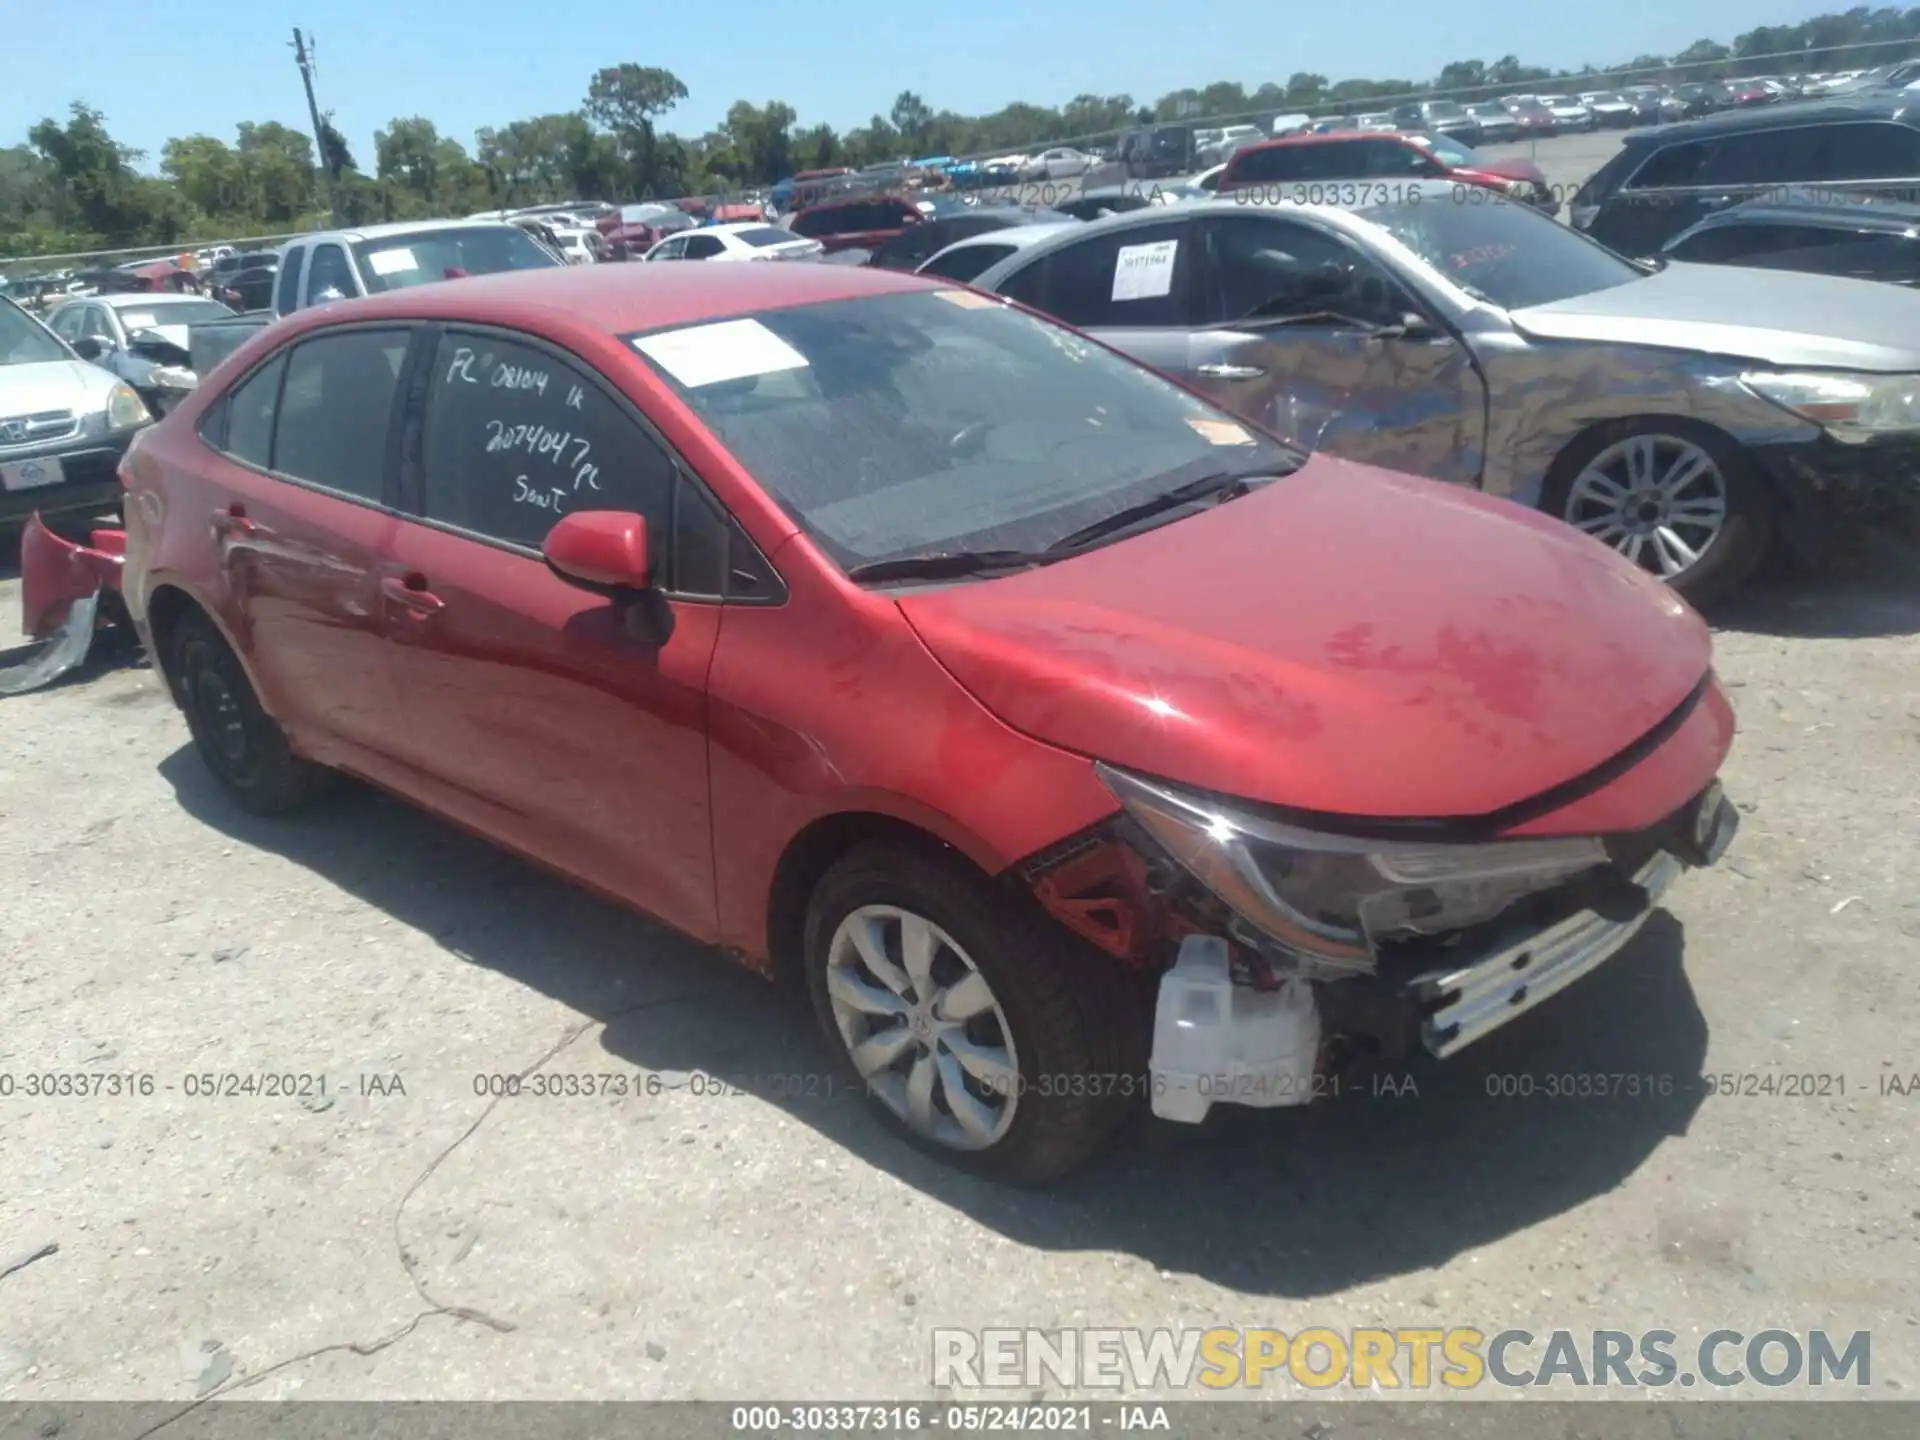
1664, 180
1157, 152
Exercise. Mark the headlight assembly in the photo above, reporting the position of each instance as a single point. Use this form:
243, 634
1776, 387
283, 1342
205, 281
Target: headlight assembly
125, 409
172, 377
1851, 406
1332, 898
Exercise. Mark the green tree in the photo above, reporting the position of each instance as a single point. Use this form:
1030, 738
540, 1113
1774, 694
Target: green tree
625, 100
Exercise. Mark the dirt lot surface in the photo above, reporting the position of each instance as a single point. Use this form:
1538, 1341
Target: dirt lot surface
714, 1234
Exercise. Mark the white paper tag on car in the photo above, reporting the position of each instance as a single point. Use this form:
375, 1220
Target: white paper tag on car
391, 262
1144, 272
714, 354
31, 474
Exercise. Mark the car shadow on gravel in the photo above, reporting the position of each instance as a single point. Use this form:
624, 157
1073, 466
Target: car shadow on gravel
1409, 1166
1871, 587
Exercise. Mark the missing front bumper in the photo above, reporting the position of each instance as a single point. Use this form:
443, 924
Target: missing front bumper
1512, 974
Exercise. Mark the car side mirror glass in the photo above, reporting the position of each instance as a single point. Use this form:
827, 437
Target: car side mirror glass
603, 550
1415, 326
92, 347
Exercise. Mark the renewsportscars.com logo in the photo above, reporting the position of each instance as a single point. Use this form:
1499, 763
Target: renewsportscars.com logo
1459, 1358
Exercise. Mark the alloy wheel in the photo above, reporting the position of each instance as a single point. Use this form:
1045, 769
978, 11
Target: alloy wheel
1659, 500
923, 1027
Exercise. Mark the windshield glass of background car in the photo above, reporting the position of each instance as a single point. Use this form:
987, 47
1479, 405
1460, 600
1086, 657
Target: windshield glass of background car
23, 341
423, 258
932, 421
1509, 255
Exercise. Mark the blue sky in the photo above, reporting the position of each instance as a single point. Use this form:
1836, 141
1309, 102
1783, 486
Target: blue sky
157, 71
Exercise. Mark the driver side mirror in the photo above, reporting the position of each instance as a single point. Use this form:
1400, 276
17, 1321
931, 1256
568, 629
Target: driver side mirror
93, 347
604, 550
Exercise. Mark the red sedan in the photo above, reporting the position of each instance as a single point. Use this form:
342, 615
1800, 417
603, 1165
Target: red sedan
886, 634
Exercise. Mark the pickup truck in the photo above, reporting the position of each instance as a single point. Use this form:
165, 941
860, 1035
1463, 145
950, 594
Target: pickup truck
345, 264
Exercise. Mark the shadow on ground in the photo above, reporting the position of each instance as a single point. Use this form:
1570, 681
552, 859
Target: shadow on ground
1396, 1176
1870, 587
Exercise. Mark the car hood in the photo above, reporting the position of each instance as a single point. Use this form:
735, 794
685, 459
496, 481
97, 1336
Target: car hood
1792, 319
1344, 640
53, 385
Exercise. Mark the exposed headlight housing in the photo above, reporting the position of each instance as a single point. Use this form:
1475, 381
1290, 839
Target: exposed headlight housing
172, 377
125, 409
1849, 405
1333, 898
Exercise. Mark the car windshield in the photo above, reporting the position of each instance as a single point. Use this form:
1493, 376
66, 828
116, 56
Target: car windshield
1448, 151
184, 312
428, 255
1506, 254
24, 341
930, 422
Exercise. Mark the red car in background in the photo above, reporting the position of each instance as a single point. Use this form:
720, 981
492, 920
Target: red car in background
893, 636
1535, 120
1294, 168
859, 222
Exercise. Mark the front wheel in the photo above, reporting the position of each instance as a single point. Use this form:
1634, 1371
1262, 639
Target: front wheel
978, 1029
1680, 500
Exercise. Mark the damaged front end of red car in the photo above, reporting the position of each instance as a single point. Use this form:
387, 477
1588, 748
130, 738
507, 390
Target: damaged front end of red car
67, 591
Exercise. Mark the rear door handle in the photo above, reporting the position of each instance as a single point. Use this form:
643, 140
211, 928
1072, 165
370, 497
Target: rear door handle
1230, 372
410, 590
233, 521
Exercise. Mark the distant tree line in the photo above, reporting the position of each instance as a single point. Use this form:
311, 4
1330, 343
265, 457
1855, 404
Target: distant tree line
72, 187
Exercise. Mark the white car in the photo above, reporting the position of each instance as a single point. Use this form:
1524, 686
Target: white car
966, 258
1609, 107
1059, 163
1289, 125
743, 241
1571, 114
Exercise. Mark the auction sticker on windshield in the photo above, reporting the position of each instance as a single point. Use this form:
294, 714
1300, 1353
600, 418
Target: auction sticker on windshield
1144, 272
714, 354
1220, 432
967, 299
392, 262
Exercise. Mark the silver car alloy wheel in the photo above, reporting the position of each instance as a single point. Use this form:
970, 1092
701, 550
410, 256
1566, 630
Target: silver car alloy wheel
1659, 500
923, 1027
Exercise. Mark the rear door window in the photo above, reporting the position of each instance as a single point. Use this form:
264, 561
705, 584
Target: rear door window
336, 410
250, 408
1142, 276
515, 437
703, 247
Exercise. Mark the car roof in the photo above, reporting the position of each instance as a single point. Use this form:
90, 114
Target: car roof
736, 227
1816, 208
1018, 236
1819, 111
399, 227
144, 300
620, 299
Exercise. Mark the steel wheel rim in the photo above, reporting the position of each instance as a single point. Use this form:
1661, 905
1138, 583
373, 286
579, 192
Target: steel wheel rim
221, 718
1658, 500
923, 1027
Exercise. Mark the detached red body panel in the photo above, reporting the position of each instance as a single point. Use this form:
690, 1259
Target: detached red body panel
55, 572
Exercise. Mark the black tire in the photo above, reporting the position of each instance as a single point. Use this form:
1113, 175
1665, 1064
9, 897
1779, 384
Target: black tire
1745, 538
241, 744
1072, 1011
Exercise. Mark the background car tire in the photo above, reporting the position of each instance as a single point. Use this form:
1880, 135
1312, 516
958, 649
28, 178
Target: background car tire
1076, 1016
242, 745
1746, 534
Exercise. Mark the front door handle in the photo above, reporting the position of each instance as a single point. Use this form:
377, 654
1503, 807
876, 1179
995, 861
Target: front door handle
410, 590
1230, 372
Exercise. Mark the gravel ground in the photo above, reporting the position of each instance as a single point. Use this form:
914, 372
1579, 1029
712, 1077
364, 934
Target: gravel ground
404, 1237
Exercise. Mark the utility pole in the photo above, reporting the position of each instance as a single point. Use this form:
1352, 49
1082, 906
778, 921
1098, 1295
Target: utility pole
304, 54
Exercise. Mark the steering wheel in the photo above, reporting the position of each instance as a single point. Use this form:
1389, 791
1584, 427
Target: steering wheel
971, 440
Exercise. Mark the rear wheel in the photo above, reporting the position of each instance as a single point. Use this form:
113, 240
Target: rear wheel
242, 745
978, 1029
1680, 500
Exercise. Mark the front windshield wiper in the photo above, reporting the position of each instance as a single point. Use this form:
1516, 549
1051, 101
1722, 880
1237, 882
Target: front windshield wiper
1218, 486
946, 564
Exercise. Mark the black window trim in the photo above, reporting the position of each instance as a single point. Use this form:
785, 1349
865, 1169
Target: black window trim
1627, 187
410, 491
387, 502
